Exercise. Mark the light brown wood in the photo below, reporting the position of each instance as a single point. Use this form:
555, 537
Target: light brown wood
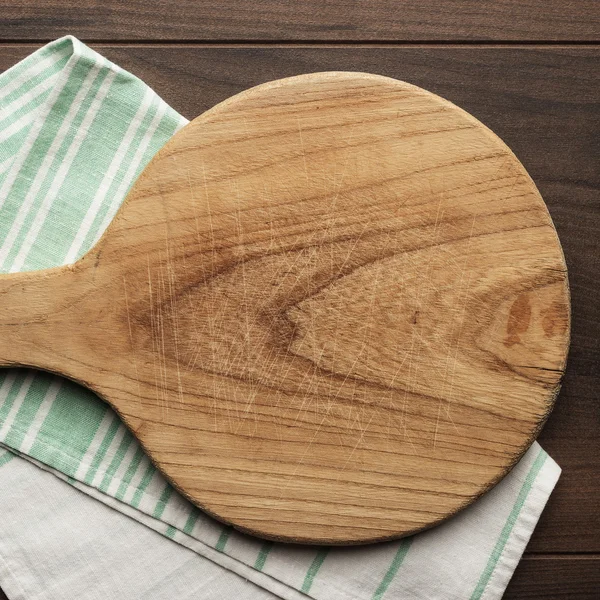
333, 309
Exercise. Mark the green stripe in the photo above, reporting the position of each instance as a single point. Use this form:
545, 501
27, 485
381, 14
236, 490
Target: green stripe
538, 463
5, 458
393, 568
314, 569
146, 479
133, 465
261, 559
170, 532
222, 541
162, 501
191, 521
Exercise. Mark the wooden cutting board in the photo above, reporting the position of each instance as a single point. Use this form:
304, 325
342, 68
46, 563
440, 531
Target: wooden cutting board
333, 309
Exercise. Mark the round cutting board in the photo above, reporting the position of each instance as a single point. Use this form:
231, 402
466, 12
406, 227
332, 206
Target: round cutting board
333, 309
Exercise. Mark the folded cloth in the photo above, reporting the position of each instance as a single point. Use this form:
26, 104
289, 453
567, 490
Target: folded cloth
75, 131
87, 550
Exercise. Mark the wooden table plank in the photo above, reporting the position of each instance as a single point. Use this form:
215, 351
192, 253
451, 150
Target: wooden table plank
544, 577
310, 20
544, 103
555, 577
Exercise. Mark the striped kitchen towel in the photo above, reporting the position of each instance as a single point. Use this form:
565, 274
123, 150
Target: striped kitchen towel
75, 132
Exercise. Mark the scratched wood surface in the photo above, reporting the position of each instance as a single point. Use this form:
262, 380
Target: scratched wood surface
334, 310
541, 100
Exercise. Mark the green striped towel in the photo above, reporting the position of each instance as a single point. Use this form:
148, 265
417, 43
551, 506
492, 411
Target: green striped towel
75, 131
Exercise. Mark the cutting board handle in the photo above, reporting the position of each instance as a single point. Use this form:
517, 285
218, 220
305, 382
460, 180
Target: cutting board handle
36, 315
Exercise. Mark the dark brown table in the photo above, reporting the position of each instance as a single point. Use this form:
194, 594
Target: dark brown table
529, 70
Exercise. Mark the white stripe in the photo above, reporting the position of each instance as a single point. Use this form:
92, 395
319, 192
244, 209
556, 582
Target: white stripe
109, 176
6, 385
29, 96
35, 69
136, 479
41, 414
62, 172
132, 170
5, 166
34, 133
110, 452
120, 472
14, 409
47, 163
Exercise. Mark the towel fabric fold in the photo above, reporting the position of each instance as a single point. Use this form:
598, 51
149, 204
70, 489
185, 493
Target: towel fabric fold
75, 131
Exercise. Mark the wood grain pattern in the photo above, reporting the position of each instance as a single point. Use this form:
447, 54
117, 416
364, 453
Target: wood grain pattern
333, 309
313, 20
